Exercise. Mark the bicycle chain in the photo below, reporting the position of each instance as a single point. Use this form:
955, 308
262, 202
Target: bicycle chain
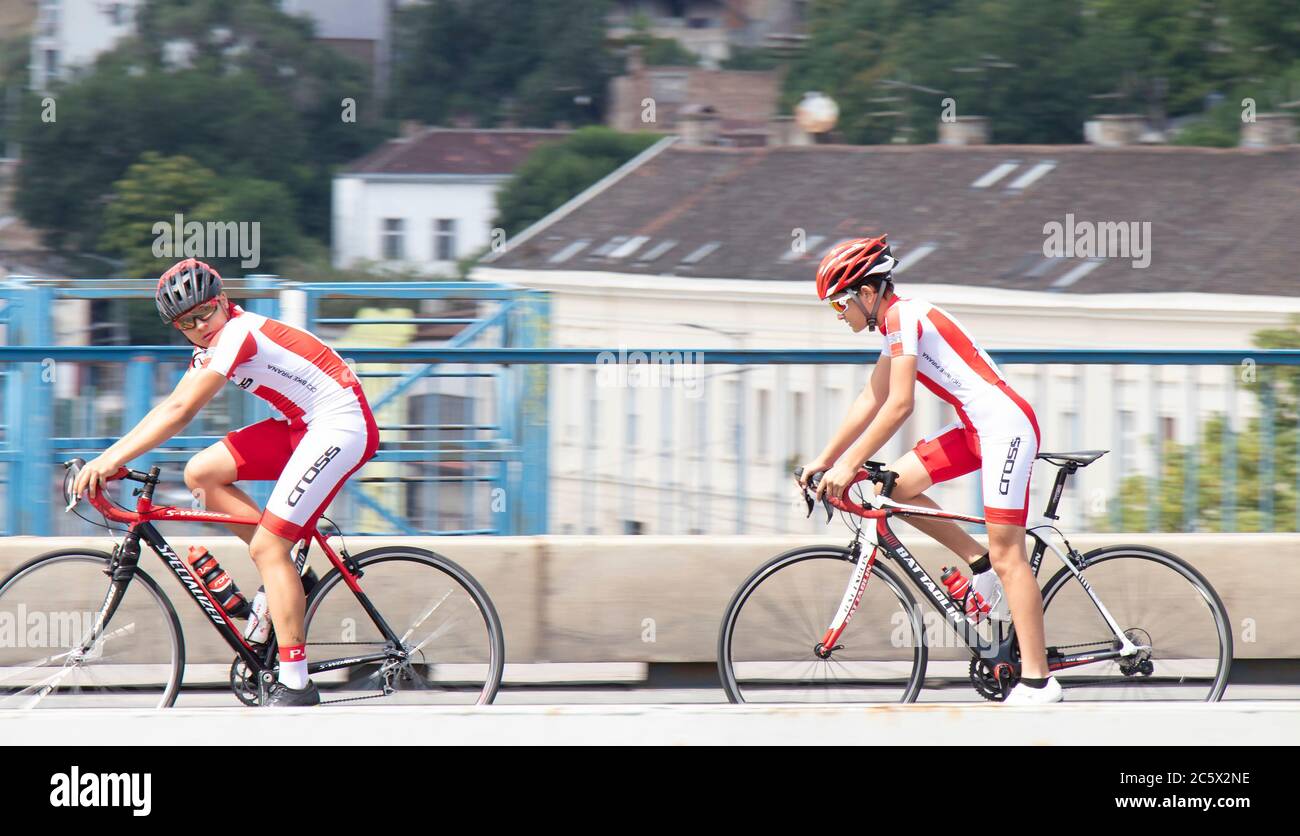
354, 699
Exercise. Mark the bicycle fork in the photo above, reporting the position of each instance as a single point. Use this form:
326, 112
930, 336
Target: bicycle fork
849, 604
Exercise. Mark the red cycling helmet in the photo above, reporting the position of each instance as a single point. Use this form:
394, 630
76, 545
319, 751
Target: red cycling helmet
850, 262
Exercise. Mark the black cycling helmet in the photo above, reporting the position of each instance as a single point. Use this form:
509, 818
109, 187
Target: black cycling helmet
184, 287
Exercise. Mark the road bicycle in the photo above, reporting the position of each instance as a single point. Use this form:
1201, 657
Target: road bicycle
422, 631
823, 623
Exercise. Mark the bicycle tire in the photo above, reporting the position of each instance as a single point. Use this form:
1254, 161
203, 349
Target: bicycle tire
495, 663
100, 560
881, 573
1206, 594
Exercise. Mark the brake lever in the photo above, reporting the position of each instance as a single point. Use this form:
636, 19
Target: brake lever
808, 497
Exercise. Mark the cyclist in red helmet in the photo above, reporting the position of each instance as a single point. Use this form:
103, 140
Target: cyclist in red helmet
324, 435
997, 434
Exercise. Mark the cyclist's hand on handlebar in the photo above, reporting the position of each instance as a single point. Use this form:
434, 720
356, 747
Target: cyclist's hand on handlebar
93, 476
814, 466
836, 480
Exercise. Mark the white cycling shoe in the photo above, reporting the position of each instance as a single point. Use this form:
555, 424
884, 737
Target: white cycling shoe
1024, 695
990, 589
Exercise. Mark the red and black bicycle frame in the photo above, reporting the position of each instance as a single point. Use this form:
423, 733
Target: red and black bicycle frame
260, 659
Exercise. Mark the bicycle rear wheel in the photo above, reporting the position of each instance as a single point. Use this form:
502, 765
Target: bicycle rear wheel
451, 647
1156, 599
771, 631
53, 655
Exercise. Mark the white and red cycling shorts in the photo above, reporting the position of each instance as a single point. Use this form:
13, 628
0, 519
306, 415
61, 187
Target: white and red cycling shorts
1002, 447
308, 463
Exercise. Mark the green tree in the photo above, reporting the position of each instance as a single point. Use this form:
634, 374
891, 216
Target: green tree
558, 171
153, 191
491, 60
1038, 69
255, 97
158, 188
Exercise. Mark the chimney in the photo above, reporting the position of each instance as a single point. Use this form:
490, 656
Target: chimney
1269, 130
784, 130
411, 128
699, 125
965, 130
1114, 129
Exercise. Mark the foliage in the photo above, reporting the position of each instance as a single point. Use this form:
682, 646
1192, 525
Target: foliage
557, 171
537, 63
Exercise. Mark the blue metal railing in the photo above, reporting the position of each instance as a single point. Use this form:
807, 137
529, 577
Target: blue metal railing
490, 455
522, 384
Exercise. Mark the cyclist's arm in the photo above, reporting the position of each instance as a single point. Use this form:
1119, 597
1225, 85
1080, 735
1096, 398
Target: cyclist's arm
864, 409
195, 389
892, 413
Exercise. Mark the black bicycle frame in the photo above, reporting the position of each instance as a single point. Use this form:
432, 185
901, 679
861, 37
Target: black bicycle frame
953, 612
259, 660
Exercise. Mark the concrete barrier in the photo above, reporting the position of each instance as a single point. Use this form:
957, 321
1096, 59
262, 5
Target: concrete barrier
661, 599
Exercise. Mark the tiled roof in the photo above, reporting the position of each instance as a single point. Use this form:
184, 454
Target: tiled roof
454, 151
1220, 219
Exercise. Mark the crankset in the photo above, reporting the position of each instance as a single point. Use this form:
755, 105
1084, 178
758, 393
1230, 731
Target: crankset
243, 682
992, 682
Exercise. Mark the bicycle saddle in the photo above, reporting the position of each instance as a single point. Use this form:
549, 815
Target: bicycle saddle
1083, 458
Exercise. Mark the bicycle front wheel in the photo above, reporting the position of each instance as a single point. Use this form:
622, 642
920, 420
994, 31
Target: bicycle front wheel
1157, 600
56, 653
769, 647
449, 648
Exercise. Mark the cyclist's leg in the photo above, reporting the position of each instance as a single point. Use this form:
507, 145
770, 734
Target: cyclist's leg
1010, 560
322, 461
938, 458
1009, 458
256, 452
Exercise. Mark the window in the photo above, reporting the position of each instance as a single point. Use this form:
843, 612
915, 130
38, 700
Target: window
1168, 430
444, 239
592, 403
572, 401
797, 430
392, 240
633, 438
1069, 431
1129, 440
51, 64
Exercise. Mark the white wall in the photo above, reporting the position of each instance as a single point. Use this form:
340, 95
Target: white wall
594, 309
79, 30
361, 204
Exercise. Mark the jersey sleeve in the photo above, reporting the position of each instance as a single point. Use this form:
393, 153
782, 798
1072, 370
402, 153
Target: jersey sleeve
904, 331
235, 345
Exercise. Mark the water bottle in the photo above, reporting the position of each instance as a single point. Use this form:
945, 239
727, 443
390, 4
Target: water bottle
959, 590
221, 585
259, 623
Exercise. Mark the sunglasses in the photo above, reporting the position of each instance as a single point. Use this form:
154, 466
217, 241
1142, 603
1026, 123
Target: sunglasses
202, 313
840, 303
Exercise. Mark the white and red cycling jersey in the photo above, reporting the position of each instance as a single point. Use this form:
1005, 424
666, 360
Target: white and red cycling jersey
998, 431
327, 431
289, 368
